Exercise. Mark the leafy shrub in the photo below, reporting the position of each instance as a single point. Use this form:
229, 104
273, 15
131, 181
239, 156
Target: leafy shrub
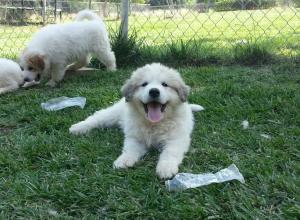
251, 54
127, 50
231, 5
138, 1
296, 3
180, 53
165, 2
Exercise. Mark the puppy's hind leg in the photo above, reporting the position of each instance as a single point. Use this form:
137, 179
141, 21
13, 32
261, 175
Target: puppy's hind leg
79, 64
107, 57
104, 118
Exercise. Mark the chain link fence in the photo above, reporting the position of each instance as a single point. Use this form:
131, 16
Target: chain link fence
212, 24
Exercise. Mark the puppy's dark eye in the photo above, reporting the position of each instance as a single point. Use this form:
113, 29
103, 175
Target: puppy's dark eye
21, 68
144, 84
164, 84
30, 68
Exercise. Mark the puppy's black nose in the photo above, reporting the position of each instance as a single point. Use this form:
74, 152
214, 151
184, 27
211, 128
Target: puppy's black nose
26, 79
154, 93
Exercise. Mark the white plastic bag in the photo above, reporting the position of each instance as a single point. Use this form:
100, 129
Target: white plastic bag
63, 102
184, 181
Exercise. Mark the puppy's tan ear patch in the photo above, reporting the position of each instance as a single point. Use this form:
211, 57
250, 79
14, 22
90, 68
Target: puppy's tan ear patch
181, 88
37, 61
183, 91
128, 89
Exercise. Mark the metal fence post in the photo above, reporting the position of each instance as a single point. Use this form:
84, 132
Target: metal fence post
22, 10
44, 11
55, 10
124, 18
90, 4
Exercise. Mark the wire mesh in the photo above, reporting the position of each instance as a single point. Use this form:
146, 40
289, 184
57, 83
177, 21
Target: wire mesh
20, 19
218, 24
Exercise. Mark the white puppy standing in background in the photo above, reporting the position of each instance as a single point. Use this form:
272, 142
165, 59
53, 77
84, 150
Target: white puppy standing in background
11, 76
155, 113
56, 48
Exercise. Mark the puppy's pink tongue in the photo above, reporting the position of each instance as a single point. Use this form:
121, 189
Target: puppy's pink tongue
154, 112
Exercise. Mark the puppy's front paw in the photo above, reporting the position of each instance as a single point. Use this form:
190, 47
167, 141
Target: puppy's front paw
51, 83
166, 169
78, 128
124, 161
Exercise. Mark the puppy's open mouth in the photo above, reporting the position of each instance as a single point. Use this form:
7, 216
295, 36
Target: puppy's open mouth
154, 111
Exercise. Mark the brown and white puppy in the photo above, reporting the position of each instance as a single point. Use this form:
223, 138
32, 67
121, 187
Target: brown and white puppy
33, 64
153, 112
56, 48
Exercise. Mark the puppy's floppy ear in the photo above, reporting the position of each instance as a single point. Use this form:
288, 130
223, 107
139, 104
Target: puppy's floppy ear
37, 61
128, 89
183, 91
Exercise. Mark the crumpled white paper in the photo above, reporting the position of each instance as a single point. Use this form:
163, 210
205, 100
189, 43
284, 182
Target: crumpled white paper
245, 124
63, 102
184, 181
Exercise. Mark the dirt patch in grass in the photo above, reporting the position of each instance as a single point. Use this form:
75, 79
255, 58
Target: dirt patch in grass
6, 129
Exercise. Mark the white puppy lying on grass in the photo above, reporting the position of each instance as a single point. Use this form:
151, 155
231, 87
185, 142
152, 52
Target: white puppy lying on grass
11, 76
153, 112
56, 48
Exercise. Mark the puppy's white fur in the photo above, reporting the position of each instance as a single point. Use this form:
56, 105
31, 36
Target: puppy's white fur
58, 47
171, 132
11, 76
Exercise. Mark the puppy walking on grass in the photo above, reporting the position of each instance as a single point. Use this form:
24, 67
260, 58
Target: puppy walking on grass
56, 48
153, 112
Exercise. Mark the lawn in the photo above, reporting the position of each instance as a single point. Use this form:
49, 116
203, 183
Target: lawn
277, 28
46, 172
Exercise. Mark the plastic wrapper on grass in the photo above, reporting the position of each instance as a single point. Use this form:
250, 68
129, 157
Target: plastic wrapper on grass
29, 84
63, 102
245, 124
265, 136
184, 181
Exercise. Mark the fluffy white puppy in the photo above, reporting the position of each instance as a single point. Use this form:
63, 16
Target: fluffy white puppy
154, 113
56, 48
11, 76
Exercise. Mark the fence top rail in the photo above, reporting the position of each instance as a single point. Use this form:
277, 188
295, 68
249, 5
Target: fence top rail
17, 7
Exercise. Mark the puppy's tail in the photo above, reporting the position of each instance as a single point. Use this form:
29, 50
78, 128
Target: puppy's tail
196, 108
87, 14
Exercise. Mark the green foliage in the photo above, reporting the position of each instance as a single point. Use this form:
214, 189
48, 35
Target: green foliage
165, 2
230, 5
193, 53
138, 1
12, 12
220, 29
190, 53
131, 1
296, 3
179, 52
252, 54
127, 50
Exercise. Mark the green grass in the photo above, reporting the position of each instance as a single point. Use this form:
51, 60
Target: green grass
46, 172
216, 32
